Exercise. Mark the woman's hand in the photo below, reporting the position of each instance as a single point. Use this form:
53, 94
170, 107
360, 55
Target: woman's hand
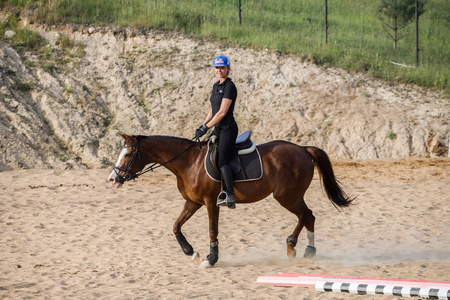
201, 131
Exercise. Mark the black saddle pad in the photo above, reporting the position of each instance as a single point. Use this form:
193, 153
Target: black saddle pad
251, 167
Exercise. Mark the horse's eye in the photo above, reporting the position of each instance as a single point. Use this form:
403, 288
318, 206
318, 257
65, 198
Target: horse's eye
127, 155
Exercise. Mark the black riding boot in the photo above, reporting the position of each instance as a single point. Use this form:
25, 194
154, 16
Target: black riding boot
228, 188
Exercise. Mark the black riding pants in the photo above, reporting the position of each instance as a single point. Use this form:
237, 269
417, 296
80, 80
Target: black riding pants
227, 138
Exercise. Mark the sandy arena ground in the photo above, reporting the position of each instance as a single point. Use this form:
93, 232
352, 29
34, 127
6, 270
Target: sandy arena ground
70, 235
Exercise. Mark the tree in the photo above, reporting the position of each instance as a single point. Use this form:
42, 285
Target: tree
396, 15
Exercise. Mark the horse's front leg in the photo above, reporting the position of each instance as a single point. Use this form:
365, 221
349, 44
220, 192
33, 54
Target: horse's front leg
188, 210
213, 216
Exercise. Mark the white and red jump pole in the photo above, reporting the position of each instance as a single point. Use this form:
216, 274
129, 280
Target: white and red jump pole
362, 285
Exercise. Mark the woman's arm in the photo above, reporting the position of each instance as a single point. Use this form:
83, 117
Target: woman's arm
224, 106
208, 117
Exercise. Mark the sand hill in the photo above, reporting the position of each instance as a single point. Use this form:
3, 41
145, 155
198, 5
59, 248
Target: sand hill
62, 108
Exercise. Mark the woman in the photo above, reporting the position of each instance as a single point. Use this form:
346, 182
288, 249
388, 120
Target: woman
223, 98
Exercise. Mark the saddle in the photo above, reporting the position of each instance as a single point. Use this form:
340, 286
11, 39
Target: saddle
246, 163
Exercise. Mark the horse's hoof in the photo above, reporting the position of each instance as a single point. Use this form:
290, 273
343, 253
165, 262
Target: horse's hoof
310, 251
205, 265
292, 254
195, 257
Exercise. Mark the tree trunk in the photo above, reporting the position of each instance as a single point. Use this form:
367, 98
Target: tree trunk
395, 34
395, 40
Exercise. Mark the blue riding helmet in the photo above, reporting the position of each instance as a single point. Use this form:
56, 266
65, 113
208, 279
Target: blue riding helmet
221, 61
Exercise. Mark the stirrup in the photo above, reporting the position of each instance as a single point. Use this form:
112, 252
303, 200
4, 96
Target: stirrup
227, 201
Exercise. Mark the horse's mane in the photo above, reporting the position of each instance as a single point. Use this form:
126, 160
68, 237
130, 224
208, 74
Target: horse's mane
162, 137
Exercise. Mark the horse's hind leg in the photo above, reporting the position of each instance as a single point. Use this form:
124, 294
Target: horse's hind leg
188, 210
305, 219
310, 250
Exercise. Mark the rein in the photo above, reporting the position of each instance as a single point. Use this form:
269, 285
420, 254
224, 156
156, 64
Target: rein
128, 176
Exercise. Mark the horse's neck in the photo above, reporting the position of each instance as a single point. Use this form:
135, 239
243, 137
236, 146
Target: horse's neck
167, 151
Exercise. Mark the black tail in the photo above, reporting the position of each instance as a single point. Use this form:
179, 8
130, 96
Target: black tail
334, 191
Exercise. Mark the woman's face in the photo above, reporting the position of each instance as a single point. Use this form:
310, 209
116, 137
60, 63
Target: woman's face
222, 72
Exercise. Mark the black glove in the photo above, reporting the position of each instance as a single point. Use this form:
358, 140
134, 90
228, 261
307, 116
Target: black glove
201, 131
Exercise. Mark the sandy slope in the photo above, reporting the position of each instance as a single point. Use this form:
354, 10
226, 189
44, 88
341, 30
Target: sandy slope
69, 235
159, 83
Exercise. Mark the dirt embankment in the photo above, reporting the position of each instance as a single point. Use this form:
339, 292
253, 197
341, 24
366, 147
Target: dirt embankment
63, 109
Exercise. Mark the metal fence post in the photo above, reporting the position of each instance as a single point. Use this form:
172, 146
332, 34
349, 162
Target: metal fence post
240, 10
417, 33
326, 22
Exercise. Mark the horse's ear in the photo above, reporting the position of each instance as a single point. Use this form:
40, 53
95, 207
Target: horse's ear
123, 135
126, 137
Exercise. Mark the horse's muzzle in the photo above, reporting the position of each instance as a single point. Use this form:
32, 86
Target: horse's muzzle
115, 179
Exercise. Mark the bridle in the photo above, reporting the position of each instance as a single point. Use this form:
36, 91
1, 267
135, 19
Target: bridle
129, 176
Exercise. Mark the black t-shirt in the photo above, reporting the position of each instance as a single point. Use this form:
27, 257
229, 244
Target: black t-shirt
228, 90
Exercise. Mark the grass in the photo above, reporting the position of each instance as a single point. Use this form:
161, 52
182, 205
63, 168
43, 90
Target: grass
52, 57
50, 68
356, 40
391, 135
23, 38
23, 86
70, 47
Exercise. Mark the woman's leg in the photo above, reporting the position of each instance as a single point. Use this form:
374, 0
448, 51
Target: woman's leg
226, 147
227, 139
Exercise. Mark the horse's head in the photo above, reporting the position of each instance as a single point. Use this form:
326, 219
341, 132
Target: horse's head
126, 166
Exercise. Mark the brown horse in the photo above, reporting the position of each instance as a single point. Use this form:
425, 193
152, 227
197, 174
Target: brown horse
287, 173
